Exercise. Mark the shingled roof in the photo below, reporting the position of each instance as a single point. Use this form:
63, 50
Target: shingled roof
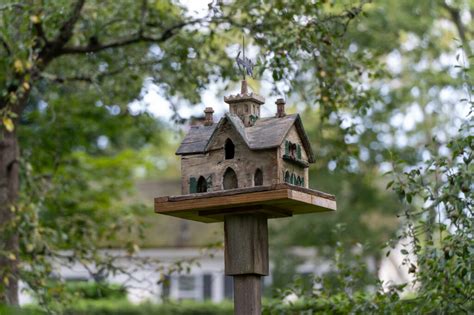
266, 133
196, 139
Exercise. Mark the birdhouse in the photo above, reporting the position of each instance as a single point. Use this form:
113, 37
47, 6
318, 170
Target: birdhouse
244, 152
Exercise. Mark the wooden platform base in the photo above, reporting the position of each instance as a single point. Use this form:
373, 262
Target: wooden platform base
275, 201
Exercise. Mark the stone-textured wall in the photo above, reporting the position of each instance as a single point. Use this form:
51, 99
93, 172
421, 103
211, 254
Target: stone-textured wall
247, 111
213, 164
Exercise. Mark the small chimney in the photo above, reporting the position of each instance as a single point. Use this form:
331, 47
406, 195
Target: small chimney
280, 103
209, 119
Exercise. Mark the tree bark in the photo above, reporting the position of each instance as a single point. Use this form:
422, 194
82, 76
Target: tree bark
9, 240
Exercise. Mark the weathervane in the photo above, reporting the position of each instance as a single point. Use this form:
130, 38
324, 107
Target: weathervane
245, 62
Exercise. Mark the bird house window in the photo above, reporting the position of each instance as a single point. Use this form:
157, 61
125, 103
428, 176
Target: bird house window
258, 177
201, 185
230, 179
293, 150
293, 179
229, 149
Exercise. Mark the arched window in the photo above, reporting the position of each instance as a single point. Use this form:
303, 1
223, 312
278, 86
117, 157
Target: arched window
230, 179
287, 177
293, 179
258, 177
229, 149
201, 185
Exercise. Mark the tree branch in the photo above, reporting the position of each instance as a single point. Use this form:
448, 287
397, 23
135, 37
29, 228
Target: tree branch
5, 45
456, 19
125, 41
12, 5
143, 13
52, 49
38, 27
65, 32
98, 76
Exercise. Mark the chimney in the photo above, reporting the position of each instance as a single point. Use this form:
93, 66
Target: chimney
280, 103
208, 120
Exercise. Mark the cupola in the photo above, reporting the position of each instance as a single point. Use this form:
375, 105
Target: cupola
245, 105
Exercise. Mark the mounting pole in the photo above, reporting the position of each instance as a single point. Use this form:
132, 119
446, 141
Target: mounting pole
246, 259
243, 49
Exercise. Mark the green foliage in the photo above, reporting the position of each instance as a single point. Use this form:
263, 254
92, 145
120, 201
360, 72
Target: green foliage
407, 79
438, 199
123, 307
344, 290
96, 290
182, 308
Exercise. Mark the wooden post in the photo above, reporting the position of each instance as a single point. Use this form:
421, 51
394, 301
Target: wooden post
247, 294
246, 259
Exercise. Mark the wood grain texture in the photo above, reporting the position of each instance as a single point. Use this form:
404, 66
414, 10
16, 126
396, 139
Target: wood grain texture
275, 201
246, 244
247, 295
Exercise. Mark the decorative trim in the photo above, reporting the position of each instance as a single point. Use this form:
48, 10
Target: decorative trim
296, 161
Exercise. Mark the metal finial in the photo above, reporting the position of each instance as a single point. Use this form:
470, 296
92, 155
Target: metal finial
244, 62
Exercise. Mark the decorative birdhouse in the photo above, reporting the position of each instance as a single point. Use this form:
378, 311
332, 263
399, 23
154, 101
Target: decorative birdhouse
243, 149
244, 153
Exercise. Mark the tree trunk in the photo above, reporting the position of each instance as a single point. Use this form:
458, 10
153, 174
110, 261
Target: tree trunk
9, 241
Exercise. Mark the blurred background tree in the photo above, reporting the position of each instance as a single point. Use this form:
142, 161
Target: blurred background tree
413, 94
375, 83
69, 69
69, 72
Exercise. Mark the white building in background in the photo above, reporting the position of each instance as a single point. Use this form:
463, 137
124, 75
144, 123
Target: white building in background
204, 281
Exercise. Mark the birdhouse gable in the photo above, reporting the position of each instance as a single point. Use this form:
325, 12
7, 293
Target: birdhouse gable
296, 146
229, 126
